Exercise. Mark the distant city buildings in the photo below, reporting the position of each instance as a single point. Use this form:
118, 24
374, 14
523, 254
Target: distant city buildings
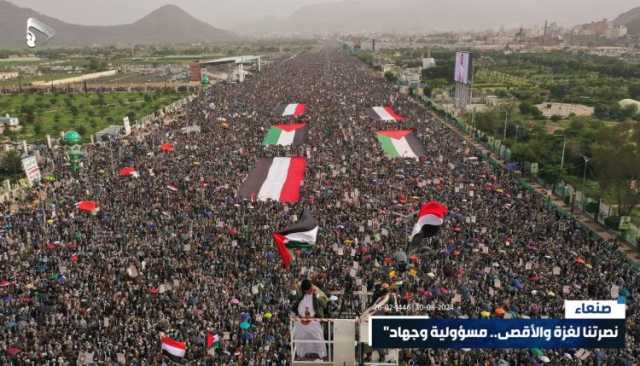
602, 28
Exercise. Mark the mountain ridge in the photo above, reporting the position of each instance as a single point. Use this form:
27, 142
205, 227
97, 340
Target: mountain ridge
167, 24
631, 20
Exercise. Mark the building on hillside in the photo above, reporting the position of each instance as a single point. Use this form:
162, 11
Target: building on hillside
617, 31
603, 28
8, 75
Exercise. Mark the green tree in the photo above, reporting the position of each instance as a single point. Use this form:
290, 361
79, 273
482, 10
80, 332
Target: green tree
559, 91
634, 91
11, 164
82, 130
37, 129
95, 64
10, 134
74, 110
28, 114
391, 77
530, 109
616, 158
551, 173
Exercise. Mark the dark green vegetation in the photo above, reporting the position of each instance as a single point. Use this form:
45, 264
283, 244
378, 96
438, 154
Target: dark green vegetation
42, 114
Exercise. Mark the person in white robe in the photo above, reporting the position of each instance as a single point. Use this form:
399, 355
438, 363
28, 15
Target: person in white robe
306, 328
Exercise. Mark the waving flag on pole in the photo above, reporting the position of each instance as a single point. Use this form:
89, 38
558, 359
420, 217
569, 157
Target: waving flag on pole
278, 179
88, 206
173, 347
128, 172
387, 114
166, 148
400, 144
430, 218
286, 135
301, 235
294, 109
213, 340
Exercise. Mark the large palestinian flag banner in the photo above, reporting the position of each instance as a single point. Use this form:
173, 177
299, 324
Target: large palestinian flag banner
386, 114
430, 218
301, 235
286, 135
294, 109
277, 179
400, 144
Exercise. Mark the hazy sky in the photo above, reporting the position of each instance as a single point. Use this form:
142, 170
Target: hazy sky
230, 13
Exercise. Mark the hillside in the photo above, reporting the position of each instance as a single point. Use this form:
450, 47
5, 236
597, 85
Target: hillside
631, 20
347, 16
400, 16
168, 24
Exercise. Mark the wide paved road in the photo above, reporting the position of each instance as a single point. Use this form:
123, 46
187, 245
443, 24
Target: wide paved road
206, 257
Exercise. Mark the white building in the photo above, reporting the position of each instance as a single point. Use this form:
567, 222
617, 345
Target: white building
428, 62
8, 121
617, 31
630, 102
8, 75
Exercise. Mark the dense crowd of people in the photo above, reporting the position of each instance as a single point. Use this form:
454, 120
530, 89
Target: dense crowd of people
199, 259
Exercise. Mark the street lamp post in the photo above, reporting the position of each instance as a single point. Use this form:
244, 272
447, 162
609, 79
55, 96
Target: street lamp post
564, 146
584, 174
506, 120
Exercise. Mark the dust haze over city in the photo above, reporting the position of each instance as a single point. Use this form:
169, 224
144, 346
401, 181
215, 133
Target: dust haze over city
250, 15
304, 182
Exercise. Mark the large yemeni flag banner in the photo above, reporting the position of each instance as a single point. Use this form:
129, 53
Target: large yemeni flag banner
286, 135
400, 144
173, 347
294, 109
430, 218
387, 114
301, 235
277, 179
